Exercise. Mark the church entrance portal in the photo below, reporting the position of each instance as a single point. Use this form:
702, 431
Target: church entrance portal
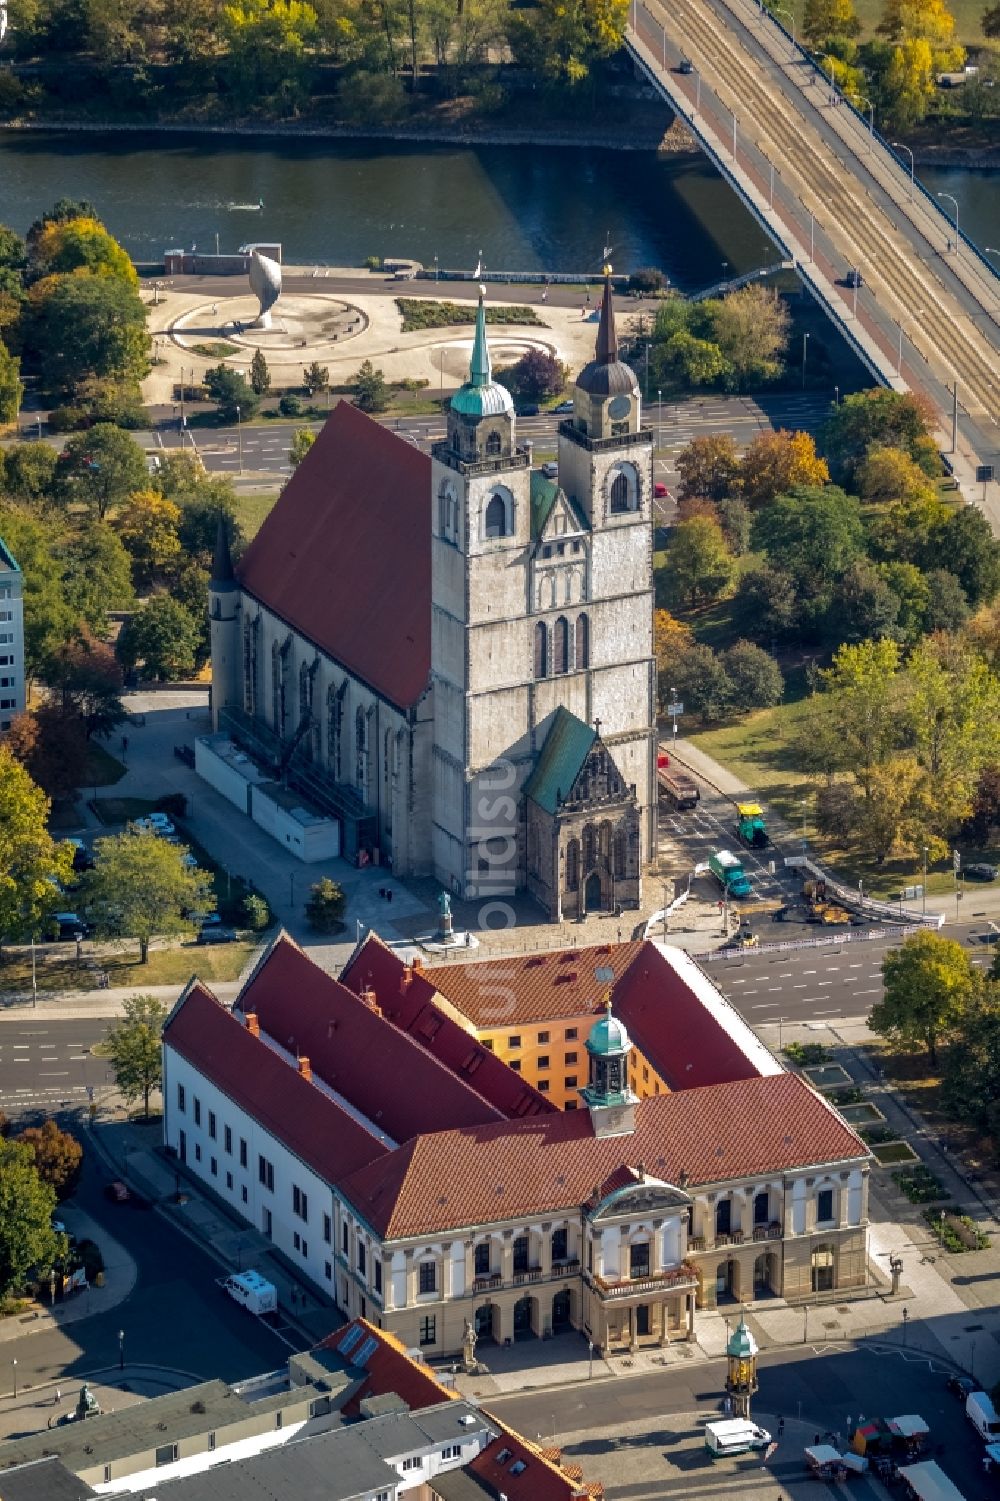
592, 892
484, 1321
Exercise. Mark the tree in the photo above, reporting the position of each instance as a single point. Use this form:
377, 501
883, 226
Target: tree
699, 564
29, 475
823, 19
30, 859
563, 40
27, 1239
991, 22
689, 362
970, 1085
929, 982
751, 329
11, 385
100, 468
928, 19
85, 681
234, 398
537, 374
85, 325
890, 474
765, 605
140, 887
702, 682
964, 545
854, 723
161, 639
709, 466
671, 638
879, 418
58, 1156
48, 618
908, 82
52, 747
97, 574
316, 378
302, 440
813, 535
371, 393
862, 605
755, 676
260, 375
947, 606
269, 44
83, 243
775, 462
148, 527
985, 815
736, 521
135, 1049
325, 906
913, 599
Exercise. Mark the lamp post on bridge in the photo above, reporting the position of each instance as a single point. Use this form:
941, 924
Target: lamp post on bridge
779, 10
991, 250
954, 201
902, 146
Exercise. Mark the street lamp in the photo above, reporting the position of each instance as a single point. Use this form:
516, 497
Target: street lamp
14, 1369
866, 103
121, 1349
435, 268
239, 436
906, 1316
805, 347
902, 146
659, 419
779, 10
923, 892
991, 250
954, 201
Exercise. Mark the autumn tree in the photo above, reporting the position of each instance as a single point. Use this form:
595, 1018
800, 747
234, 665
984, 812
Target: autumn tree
709, 466
52, 747
140, 887
890, 474
325, 906
563, 40
32, 864
302, 440
85, 680
699, 565
135, 1049
269, 46
27, 1240
929, 982
148, 526
11, 385
854, 723
750, 326
82, 243
877, 418
775, 462
671, 638
58, 1156
823, 19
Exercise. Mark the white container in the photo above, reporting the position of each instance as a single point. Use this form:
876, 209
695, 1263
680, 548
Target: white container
734, 1436
983, 1416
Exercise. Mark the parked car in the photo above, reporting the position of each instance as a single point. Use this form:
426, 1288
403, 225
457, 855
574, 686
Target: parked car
120, 1193
206, 919
216, 935
960, 1386
550, 470
981, 872
83, 858
685, 66
660, 491
67, 927
563, 407
528, 409
156, 823
854, 278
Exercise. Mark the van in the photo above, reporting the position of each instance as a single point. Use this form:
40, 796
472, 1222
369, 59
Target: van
252, 1292
982, 1415
734, 1436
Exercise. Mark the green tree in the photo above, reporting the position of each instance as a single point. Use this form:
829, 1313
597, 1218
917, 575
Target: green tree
862, 605
813, 535
970, 1084
750, 327
690, 362
325, 906
269, 44
140, 887
48, 617
823, 19
371, 393
991, 22
134, 1046
234, 398
302, 440
874, 419
709, 466
161, 639
766, 605
97, 574
699, 564
101, 468
85, 325
702, 682
964, 545
755, 676
58, 1156
316, 378
30, 859
854, 723
563, 40
929, 982
11, 385
27, 1239
29, 475
260, 375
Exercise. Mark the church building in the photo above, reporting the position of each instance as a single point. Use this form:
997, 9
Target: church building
452, 656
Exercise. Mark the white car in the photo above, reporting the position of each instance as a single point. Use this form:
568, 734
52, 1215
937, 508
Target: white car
150, 827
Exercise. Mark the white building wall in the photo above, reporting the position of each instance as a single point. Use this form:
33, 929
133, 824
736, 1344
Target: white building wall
224, 778
12, 692
240, 1186
194, 1464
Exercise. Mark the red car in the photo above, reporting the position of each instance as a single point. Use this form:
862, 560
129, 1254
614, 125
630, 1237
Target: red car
660, 491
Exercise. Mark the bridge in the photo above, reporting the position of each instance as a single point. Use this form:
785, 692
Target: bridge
834, 197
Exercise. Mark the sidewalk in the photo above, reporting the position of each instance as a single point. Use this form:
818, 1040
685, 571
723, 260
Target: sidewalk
38, 1407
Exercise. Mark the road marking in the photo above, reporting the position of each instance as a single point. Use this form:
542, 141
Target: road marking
799, 987
59, 1073
774, 987
825, 982
78, 1057
867, 992
808, 971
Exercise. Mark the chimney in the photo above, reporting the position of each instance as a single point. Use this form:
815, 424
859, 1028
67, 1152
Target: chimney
253, 1025
405, 979
305, 1069
370, 1000
418, 963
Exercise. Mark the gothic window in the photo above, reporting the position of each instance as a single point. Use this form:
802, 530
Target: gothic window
276, 693
605, 840
620, 848
250, 629
582, 642
361, 752
305, 691
560, 645
493, 446
498, 523
448, 513
388, 768
533, 850
619, 494
334, 730
541, 650
573, 865
589, 847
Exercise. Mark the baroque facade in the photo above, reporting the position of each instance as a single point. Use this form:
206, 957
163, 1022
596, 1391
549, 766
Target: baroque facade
453, 656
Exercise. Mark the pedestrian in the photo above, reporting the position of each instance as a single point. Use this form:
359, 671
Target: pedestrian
781, 1426
388, 894
57, 1398
545, 294
124, 745
468, 940
215, 309
987, 1464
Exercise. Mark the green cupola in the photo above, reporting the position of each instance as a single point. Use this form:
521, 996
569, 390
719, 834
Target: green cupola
482, 396
607, 1096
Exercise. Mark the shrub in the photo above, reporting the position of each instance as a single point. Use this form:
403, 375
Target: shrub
647, 279
68, 419
290, 405
255, 911
325, 907
806, 1054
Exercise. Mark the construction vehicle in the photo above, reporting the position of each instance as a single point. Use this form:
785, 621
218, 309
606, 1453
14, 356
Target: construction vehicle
820, 908
678, 786
727, 869
751, 829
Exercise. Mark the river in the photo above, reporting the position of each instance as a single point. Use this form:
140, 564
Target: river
336, 202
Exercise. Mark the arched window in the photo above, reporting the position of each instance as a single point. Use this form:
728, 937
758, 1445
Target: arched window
582, 642
573, 865
822, 1269
541, 650
361, 751
444, 511
560, 645
605, 837
724, 1217
620, 850
334, 730
589, 847
762, 1207
619, 494
498, 516
387, 771
277, 697
305, 690
493, 446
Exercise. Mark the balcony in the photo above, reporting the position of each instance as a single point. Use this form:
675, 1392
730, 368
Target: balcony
676, 1279
486, 1281
732, 1238
768, 1232
569, 1268
697, 1243
529, 1274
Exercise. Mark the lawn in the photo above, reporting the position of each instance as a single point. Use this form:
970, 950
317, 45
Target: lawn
116, 810
99, 768
58, 971
419, 312
251, 510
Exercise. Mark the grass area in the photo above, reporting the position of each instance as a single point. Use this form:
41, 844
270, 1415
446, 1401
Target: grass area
420, 313
216, 349
864, 1114
57, 970
101, 769
251, 510
888, 1152
115, 810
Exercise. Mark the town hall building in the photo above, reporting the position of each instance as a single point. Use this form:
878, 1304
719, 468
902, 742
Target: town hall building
450, 656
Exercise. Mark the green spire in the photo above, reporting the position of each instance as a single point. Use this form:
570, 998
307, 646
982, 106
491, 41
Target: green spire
480, 368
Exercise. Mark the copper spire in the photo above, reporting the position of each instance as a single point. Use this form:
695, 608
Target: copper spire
607, 336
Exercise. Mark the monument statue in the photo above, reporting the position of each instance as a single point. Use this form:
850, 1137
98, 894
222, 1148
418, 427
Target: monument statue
469, 1341
265, 283
87, 1406
445, 932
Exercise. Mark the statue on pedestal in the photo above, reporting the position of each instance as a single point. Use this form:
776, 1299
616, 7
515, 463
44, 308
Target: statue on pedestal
87, 1405
445, 932
469, 1341
265, 283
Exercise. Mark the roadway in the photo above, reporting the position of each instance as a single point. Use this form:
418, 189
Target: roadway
45, 1061
831, 194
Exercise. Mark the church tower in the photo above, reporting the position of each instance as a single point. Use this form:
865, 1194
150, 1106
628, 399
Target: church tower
480, 648
606, 473
224, 613
607, 1096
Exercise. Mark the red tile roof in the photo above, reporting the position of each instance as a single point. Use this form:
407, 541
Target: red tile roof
532, 987
344, 556
512, 1466
387, 1368
474, 1177
406, 998
313, 1126
378, 1069
674, 1029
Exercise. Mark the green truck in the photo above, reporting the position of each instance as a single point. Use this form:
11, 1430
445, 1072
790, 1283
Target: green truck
751, 829
727, 869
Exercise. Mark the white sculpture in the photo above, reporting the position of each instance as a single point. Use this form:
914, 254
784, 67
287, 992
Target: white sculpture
265, 283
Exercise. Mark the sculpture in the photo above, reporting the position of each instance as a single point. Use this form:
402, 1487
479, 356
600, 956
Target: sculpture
87, 1405
469, 1341
265, 283
445, 933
